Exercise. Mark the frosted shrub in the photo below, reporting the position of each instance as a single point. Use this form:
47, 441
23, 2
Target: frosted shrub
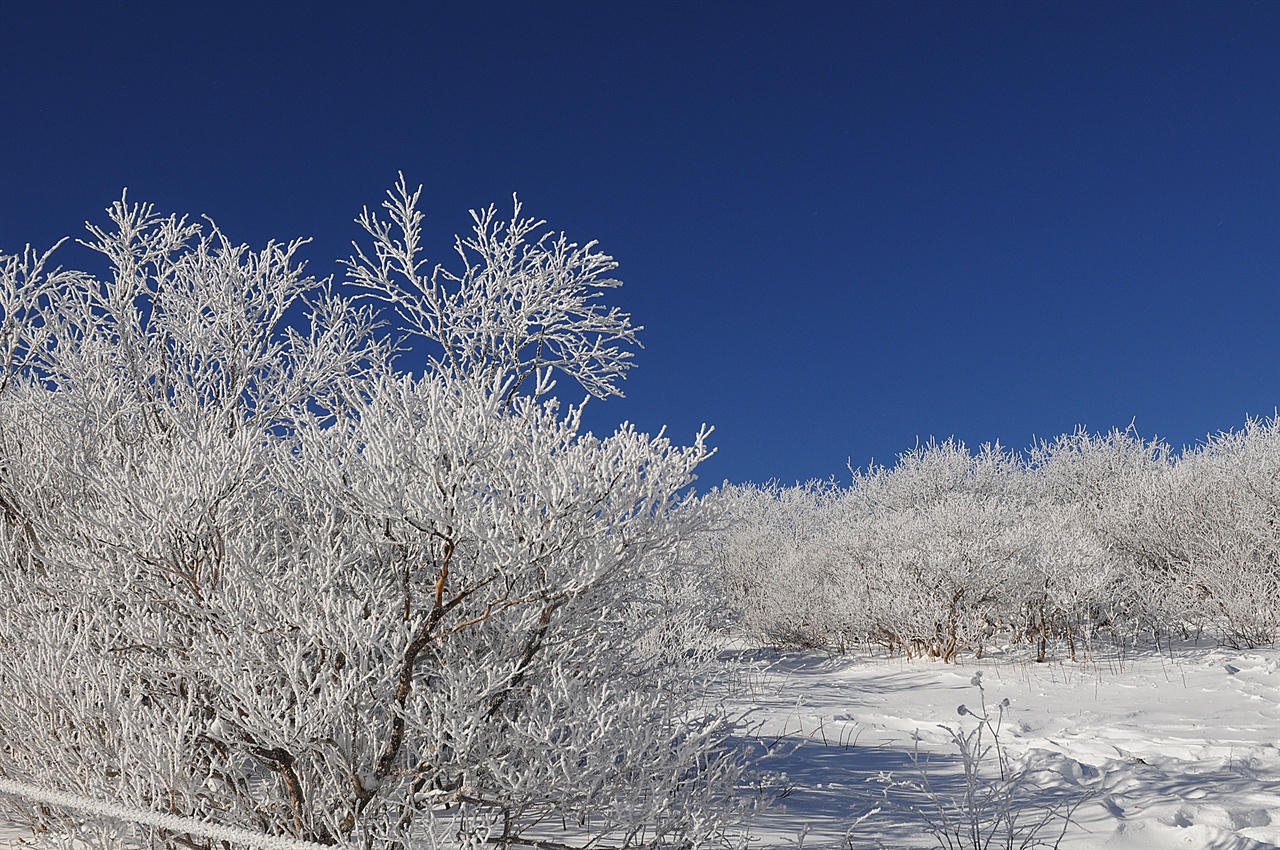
1225, 531
780, 556
950, 532
1113, 485
257, 576
1061, 586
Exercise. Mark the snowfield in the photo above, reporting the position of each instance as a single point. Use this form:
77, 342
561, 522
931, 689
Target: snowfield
1179, 751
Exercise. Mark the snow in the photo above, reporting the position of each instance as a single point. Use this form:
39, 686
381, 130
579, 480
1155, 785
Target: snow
1180, 749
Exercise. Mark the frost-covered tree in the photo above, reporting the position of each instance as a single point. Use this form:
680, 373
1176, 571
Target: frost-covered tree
255, 574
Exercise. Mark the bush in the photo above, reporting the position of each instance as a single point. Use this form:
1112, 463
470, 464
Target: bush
254, 574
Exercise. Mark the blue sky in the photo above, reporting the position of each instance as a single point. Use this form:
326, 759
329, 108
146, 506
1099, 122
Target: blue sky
844, 226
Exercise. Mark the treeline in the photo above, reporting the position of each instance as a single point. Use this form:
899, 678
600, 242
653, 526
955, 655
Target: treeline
1080, 539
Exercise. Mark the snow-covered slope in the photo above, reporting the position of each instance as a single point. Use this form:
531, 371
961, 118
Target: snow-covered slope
1177, 751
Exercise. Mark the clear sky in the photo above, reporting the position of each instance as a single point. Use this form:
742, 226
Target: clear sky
844, 226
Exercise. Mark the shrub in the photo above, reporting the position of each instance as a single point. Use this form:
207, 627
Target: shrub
255, 574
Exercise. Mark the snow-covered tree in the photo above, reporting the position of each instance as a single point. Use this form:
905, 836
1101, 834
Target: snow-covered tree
255, 574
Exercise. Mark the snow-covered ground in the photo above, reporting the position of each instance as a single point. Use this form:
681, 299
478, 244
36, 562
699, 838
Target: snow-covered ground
1178, 751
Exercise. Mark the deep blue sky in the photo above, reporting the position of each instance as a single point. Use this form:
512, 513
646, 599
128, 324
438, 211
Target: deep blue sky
843, 226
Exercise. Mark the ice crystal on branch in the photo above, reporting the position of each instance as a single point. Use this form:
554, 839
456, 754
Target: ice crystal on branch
522, 306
